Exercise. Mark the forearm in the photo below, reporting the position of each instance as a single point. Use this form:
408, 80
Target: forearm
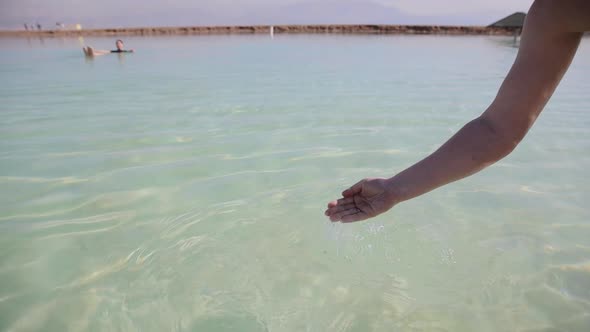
476, 146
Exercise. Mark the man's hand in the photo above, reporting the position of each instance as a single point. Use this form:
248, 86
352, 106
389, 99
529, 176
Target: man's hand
366, 199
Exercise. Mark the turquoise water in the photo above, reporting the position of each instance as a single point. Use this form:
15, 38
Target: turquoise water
182, 188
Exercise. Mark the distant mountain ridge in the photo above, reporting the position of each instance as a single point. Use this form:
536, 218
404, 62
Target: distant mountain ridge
326, 12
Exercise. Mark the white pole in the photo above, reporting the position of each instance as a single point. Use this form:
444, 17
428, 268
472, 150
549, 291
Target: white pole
272, 31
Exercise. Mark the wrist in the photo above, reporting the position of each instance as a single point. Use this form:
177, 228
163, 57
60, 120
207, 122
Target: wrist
396, 191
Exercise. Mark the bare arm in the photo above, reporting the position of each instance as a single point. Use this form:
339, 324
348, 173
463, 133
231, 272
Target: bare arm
101, 52
550, 38
546, 52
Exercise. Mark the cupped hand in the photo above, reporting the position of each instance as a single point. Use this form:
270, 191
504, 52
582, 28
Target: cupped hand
366, 199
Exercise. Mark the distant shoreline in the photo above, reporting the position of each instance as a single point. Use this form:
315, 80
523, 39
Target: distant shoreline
265, 29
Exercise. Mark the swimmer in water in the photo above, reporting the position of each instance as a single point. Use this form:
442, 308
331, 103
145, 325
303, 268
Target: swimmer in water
550, 37
89, 51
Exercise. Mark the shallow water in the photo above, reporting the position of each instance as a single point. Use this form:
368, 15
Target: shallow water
183, 188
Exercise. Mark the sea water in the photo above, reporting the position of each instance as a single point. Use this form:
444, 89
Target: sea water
182, 188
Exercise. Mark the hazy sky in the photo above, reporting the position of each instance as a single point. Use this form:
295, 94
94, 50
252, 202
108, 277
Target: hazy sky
225, 12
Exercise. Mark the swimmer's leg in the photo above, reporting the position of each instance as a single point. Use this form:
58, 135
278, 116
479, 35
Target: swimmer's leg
88, 51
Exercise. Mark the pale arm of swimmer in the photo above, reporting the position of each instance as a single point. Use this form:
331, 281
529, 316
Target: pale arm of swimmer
550, 38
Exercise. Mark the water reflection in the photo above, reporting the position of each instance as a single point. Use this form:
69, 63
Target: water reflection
121, 58
89, 59
512, 42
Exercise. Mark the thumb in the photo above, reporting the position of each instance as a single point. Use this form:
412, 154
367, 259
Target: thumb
354, 190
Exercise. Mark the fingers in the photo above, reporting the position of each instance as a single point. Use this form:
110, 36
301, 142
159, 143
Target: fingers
345, 209
349, 215
355, 217
339, 208
341, 201
355, 189
338, 216
346, 200
335, 206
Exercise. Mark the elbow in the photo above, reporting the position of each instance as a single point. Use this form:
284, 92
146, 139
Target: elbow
500, 141
506, 145
508, 141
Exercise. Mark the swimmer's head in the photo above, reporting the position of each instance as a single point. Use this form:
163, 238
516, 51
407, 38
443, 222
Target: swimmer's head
119, 44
